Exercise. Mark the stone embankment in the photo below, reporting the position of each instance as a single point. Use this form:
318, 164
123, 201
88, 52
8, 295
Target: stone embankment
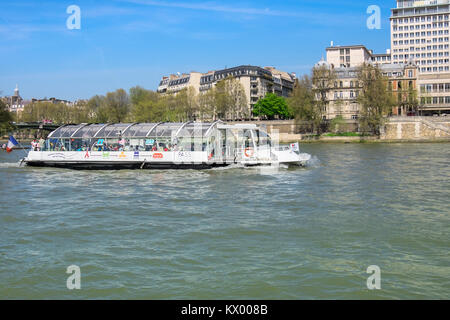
417, 128
397, 129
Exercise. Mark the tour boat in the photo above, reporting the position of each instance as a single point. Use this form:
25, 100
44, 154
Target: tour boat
189, 145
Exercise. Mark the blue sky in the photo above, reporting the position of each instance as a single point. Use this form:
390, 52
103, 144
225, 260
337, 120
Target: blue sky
123, 43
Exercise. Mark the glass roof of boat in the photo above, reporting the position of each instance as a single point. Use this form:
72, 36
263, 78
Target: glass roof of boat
133, 130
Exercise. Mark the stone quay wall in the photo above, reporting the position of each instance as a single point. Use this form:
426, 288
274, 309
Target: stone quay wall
417, 128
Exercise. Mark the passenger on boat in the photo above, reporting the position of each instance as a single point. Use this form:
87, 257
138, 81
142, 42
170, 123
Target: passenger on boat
41, 144
34, 145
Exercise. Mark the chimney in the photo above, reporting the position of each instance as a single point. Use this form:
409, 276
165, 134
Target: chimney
332, 44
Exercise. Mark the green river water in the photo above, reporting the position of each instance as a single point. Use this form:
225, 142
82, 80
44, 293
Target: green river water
235, 233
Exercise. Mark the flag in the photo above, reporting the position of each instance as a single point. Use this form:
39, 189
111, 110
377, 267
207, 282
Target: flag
11, 144
295, 147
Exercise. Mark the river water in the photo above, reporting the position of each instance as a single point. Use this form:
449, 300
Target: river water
306, 233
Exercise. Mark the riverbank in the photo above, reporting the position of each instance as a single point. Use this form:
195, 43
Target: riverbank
396, 130
347, 140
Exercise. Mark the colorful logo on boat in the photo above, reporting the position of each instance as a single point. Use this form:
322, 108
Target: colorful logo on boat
136, 154
106, 155
86, 155
158, 156
122, 155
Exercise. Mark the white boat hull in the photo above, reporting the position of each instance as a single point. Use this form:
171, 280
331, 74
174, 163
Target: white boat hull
95, 160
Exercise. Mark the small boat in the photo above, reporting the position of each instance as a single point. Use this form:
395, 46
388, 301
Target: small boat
190, 145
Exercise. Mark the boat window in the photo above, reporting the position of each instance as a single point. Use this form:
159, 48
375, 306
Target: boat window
132, 137
140, 130
111, 131
88, 131
166, 130
57, 145
65, 131
263, 138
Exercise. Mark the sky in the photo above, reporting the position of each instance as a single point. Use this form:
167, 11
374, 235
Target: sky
124, 43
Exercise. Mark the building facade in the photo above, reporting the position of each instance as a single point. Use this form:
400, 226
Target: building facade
256, 81
420, 32
343, 96
15, 102
176, 83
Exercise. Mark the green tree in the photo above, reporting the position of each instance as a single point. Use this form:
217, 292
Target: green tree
5, 117
375, 100
337, 123
303, 105
97, 110
411, 103
117, 105
323, 80
150, 111
139, 94
206, 105
238, 108
222, 100
272, 106
186, 104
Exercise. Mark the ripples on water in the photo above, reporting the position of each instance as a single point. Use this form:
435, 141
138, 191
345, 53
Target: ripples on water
241, 233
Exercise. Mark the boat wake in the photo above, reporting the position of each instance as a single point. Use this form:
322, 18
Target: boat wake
230, 167
9, 164
314, 162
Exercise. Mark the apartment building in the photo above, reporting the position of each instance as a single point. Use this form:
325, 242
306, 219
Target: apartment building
176, 83
354, 56
420, 32
257, 81
343, 97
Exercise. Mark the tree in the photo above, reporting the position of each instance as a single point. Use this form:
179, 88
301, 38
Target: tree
206, 104
117, 105
149, 111
186, 104
375, 100
5, 116
303, 104
272, 106
97, 109
139, 94
323, 80
411, 103
222, 100
238, 108
336, 124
